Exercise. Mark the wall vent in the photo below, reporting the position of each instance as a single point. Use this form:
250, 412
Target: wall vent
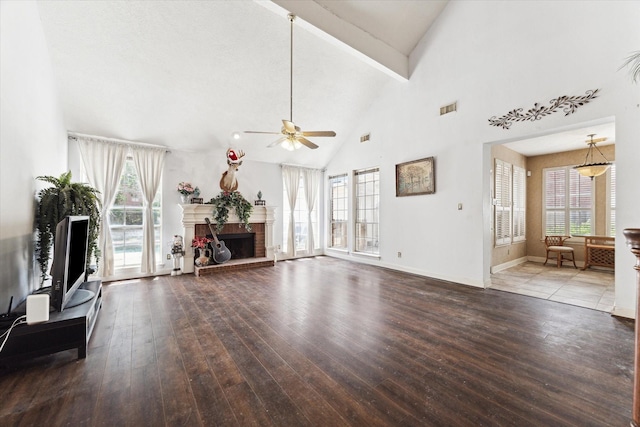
365, 137
449, 108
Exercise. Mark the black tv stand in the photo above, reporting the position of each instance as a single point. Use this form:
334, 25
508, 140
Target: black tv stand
70, 328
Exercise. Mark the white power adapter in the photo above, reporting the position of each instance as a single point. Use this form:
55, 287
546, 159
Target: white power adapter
37, 308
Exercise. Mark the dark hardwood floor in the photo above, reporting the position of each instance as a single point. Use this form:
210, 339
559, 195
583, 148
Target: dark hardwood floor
326, 342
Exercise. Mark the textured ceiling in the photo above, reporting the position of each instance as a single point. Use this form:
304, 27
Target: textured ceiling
189, 74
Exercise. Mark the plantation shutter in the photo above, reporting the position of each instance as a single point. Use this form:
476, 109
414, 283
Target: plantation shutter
519, 197
555, 183
612, 201
580, 204
568, 202
502, 203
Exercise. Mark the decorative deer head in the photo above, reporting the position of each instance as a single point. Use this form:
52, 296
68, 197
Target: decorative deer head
228, 182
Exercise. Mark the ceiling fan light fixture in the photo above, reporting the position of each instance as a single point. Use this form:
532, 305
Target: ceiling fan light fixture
290, 144
589, 168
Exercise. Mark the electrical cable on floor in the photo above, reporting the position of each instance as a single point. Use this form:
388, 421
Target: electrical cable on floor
19, 321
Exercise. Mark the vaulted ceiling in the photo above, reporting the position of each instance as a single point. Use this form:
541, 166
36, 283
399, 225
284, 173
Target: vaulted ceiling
190, 74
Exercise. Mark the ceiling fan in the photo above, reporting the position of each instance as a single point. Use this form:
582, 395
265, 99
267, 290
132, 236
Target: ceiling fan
292, 137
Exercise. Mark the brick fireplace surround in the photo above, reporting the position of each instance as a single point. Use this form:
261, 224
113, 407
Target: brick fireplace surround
194, 224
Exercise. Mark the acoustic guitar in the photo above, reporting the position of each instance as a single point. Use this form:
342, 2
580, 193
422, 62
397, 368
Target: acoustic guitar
221, 253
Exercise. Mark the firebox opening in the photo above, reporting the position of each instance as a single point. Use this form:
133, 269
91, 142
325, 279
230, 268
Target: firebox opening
241, 245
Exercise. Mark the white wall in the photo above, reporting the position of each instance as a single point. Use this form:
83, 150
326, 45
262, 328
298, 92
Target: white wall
492, 57
32, 142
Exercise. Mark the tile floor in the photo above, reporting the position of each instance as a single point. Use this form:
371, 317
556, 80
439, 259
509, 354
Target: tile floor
590, 288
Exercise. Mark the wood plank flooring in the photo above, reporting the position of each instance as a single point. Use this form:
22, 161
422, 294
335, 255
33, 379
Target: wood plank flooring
325, 342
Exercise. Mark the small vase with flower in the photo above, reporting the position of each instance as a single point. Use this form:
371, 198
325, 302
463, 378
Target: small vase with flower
201, 245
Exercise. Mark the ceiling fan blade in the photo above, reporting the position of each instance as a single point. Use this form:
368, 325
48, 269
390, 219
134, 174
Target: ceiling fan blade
277, 142
256, 131
304, 141
319, 133
289, 126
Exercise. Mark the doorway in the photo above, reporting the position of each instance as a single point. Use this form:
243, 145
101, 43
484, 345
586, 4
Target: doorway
513, 261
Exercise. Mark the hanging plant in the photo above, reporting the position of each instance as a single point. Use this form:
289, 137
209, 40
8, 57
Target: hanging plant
63, 199
225, 201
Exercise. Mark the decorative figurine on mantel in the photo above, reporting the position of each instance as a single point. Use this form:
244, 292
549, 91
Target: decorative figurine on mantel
177, 252
259, 202
228, 182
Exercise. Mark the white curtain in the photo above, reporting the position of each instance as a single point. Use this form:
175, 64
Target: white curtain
149, 164
311, 184
291, 177
103, 161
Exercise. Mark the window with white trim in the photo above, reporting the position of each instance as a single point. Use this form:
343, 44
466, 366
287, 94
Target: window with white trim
509, 203
367, 199
338, 211
125, 220
568, 202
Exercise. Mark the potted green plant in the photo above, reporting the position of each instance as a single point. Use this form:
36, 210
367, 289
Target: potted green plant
64, 198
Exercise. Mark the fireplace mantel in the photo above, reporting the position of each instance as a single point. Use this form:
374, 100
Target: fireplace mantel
196, 214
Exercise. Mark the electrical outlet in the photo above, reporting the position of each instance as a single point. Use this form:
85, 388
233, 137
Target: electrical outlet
399, 254
168, 256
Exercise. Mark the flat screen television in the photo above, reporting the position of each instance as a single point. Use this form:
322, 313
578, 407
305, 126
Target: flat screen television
69, 269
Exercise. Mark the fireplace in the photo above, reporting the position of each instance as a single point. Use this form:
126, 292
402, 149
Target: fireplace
245, 243
235, 236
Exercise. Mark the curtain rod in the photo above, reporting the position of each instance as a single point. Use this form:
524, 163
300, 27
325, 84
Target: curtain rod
302, 167
76, 135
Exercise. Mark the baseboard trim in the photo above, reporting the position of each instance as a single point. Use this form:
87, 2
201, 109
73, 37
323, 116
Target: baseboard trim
508, 264
623, 312
418, 272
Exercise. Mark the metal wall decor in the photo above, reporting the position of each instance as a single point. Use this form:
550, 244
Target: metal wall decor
569, 105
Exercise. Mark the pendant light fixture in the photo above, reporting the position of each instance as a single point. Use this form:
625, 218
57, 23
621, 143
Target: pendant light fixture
589, 168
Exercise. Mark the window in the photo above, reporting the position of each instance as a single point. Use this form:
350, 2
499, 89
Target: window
502, 202
367, 198
509, 206
301, 215
125, 220
519, 204
611, 197
568, 202
338, 211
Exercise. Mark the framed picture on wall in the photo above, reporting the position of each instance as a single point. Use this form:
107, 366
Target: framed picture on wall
416, 177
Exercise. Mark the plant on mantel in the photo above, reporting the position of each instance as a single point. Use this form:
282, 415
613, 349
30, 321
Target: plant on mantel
224, 202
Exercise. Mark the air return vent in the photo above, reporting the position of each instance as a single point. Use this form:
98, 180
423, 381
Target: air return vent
365, 137
449, 108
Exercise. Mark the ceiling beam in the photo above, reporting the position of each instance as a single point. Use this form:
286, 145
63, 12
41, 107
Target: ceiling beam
322, 22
